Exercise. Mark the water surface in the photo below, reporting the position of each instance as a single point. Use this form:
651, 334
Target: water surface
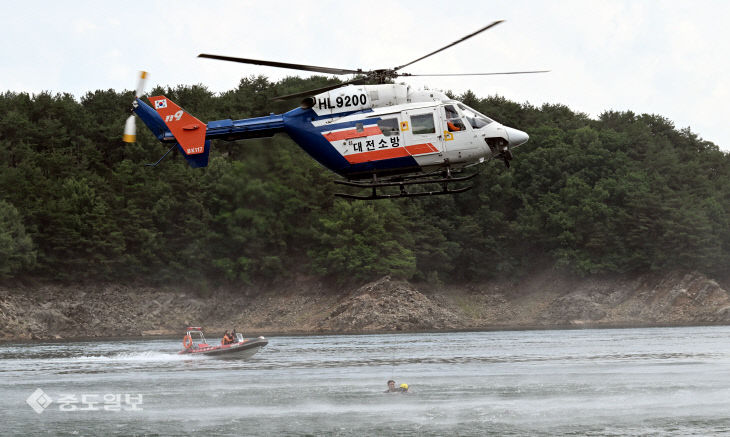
673, 381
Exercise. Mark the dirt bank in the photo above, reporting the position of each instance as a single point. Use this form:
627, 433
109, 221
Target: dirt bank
546, 299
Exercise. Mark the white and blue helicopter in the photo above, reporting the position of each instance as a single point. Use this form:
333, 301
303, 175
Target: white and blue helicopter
374, 136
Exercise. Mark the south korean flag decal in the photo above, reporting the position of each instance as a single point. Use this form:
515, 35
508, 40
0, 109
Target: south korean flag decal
162, 103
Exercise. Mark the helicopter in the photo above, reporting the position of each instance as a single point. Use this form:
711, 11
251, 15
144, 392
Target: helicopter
372, 135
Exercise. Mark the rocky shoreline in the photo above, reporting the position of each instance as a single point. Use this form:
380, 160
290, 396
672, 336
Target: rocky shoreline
544, 300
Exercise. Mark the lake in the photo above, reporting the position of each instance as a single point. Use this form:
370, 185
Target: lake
671, 381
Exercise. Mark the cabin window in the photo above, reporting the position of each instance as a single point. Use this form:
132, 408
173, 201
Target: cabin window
389, 126
474, 118
423, 124
453, 120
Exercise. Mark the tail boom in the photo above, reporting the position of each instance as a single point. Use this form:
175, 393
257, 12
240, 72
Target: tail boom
171, 124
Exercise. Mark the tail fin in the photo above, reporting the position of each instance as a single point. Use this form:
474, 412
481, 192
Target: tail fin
187, 130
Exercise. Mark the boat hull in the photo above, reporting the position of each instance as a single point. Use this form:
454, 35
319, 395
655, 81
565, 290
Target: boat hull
240, 350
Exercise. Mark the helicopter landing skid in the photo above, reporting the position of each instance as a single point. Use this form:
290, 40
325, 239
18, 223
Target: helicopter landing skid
402, 185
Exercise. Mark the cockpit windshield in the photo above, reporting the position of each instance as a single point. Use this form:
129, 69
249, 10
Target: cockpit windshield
476, 119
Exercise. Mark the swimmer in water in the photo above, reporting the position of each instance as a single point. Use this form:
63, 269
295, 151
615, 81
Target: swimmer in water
391, 387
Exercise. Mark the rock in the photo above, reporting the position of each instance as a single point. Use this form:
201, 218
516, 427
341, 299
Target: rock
574, 307
544, 299
385, 305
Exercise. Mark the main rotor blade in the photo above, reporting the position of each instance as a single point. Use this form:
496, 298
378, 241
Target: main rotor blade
452, 44
316, 91
282, 64
474, 74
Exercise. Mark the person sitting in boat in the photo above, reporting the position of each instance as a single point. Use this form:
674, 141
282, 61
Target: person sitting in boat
226, 339
391, 387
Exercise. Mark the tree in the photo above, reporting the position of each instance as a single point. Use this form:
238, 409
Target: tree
16, 247
359, 241
624, 192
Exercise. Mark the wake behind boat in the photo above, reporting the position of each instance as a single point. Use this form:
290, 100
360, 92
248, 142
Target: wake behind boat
194, 343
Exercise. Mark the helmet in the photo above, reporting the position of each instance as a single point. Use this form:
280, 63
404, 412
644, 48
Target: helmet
405, 386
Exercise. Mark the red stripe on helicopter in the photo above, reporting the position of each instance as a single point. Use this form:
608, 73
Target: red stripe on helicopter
376, 155
419, 149
352, 133
400, 152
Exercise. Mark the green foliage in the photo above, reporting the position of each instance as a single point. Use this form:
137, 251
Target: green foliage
359, 241
16, 247
622, 193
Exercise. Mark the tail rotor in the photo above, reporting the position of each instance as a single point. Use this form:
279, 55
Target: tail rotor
130, 128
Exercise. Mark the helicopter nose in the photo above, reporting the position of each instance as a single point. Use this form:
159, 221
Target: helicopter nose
516, 137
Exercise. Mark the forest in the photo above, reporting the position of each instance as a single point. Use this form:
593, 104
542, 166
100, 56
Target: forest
620, 194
